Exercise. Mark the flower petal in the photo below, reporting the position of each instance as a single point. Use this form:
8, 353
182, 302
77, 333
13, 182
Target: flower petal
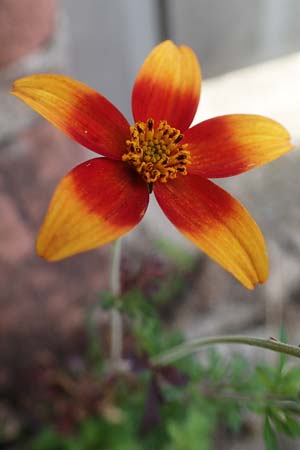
168, 86
232, 144
94, 204
218, 224
79, 111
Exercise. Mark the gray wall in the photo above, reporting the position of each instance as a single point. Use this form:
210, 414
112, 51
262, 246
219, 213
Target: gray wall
111, 38
229, 34
108, 42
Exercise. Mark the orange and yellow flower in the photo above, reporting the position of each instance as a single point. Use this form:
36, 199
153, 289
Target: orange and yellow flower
105, 197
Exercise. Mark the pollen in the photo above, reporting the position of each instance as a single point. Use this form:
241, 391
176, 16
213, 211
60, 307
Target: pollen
156, 153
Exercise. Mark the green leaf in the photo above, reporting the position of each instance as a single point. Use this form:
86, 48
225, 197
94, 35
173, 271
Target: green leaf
291, 380
286, 424
269, 435
266, 375
233, 417
108, 300
47, 439
193, 433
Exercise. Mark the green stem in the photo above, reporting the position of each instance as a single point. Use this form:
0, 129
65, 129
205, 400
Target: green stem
116, 318
195, 345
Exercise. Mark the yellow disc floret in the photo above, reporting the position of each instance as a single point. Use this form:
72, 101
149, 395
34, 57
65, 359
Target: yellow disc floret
156, 153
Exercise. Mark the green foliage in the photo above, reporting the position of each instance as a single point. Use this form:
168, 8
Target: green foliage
93, 434
270, 436
279, 388
148, 409
194, 433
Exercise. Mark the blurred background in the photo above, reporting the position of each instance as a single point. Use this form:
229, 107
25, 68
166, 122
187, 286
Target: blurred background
249, 53
110, 40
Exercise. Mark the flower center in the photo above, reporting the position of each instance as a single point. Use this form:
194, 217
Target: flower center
156, 153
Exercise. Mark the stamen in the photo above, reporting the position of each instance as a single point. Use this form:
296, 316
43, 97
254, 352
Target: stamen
150, 124
178, 139
155, 153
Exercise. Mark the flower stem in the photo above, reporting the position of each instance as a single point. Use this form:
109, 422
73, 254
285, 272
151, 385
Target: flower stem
195, 345
116, 318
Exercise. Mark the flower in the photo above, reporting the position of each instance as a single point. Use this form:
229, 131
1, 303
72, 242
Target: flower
105, 197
